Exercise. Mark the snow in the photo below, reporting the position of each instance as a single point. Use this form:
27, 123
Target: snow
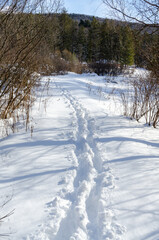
86, 172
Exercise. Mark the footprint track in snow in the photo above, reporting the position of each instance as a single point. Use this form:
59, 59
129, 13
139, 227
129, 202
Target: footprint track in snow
89, 215
82, 210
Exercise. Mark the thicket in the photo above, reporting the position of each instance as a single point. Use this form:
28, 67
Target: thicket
22, 46
22, 36
145, 98
144, 102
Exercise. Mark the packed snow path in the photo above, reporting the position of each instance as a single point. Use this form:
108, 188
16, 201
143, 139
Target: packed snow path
86, 173
88, 214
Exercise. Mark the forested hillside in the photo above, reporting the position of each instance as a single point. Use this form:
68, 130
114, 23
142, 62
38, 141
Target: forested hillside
91, 39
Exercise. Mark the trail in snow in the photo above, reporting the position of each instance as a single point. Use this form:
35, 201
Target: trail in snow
82, 172
89, 215
82, 210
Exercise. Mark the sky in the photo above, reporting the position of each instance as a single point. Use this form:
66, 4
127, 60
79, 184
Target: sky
89, 7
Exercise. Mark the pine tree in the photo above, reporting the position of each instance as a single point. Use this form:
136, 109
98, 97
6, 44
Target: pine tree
110, 42
65, 36
127, 48
82, 43
104, 41
117, 43
74, 36
94, 41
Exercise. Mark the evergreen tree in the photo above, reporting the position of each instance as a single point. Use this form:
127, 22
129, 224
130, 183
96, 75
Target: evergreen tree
110, 41
94, 41
52, 32
65, 36
74, 37
104, 41
82, 43
85, 23
127, 48
116, 48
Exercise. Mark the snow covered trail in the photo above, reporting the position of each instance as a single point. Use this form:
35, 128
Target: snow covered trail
69, 198
87, 173
89, 215
116, 141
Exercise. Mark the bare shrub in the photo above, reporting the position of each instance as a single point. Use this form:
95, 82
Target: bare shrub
22, 33
58, 63
102, 68
142, 100
73, 64
145, 101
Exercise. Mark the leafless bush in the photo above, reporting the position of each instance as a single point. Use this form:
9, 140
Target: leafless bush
72, 61
22, 33
145, 101
57, 63
142, 101
102, 68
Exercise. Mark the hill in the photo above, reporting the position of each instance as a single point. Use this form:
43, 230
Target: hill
133, 25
